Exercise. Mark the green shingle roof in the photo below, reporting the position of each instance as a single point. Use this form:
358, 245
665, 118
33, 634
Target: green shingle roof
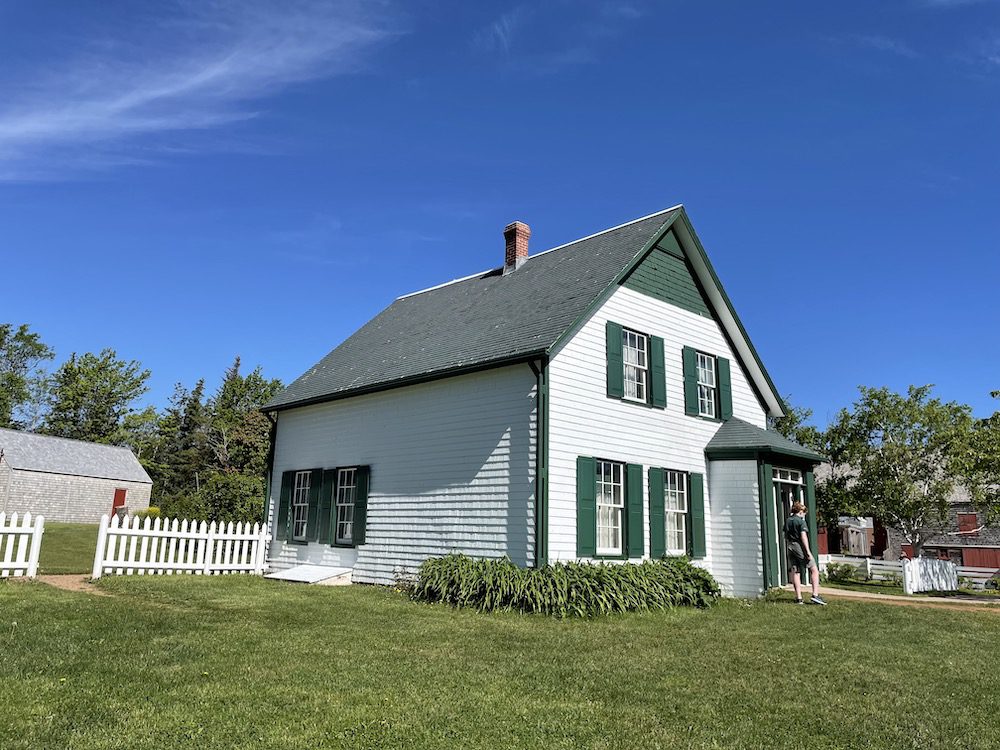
477, 322
736, 435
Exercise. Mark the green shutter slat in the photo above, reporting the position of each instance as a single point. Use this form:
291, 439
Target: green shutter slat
616, 372
360, 527
657, 372
770, 540
312, 519
284, 500
326, 511
657, 515
690, 381
696, 511
811, 513
586, 507
633, 492
725, 388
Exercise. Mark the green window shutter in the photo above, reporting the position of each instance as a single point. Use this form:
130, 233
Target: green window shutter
326, 510
616, 371
767, 523
657, 373
586, 507
312, 519
811, 513
657, 515
696, 514
284, 501
690, 381
633, 493
725, 388
361, 505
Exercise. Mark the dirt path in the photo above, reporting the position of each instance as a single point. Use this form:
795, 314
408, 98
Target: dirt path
75, 582
963, 605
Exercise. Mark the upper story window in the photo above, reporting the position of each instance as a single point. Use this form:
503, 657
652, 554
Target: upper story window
300, 504
708, 387
635, 359
610, 507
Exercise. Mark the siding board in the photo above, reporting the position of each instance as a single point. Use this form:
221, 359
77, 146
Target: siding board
452, 469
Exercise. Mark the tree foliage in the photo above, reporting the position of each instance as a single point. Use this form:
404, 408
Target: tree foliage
982, 468
793, 426
902, 457
22, 381
92, 394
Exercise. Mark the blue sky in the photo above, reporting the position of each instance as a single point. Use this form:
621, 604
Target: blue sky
189, 181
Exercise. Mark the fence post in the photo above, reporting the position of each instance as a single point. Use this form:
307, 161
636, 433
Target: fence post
36, 546
102, 542
209, 548
868, 568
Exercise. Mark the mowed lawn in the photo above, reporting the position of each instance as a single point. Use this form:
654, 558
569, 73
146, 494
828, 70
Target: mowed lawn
239, 662
67, 548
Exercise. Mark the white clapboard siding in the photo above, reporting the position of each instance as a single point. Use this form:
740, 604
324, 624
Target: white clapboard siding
20, 543
167, 546
583, 421
452, 470
737, 565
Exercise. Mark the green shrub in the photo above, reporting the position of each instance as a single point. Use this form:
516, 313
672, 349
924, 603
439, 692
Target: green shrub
841, 572
151, 512
222, 497
564, 589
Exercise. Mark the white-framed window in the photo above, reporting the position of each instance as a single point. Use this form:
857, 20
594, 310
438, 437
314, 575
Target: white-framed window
300, 504
635, 356
707, 385
675, 505
787, 475
347, 488
610, 507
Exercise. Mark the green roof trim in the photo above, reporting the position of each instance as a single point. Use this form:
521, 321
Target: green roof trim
739, 439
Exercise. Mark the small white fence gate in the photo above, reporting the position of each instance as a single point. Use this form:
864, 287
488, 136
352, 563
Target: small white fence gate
20, 545
164, 546
925, 574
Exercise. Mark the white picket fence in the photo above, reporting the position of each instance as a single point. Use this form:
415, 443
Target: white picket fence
20, 544
164, 546
882, 570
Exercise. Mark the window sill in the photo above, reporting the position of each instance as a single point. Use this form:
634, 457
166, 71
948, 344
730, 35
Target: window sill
343, 545
636, 402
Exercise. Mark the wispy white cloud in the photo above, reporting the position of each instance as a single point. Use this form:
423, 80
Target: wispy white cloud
544, 39
200, 66
881, 43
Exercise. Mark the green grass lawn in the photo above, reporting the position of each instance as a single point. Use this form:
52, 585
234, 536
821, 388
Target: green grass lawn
238, 662
67, 548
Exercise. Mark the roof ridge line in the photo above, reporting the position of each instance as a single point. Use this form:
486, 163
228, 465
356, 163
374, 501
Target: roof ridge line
536, 255
71, 440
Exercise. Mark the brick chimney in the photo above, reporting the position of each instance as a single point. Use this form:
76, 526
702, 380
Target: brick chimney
515, 236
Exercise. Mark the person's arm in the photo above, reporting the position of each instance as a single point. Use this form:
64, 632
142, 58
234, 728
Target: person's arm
805, 544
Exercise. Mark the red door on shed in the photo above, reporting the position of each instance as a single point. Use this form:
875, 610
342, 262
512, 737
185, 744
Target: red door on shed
119, 501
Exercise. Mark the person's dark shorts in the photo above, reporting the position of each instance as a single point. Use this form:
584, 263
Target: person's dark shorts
797, 560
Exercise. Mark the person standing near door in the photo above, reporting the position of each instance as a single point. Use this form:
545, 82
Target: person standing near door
800, 559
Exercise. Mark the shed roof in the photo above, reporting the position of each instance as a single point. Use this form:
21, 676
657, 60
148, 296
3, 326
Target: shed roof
29, 451
735, 435
491, 319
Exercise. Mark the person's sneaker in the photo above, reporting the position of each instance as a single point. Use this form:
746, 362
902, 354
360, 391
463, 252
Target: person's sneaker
817, 600
798, 601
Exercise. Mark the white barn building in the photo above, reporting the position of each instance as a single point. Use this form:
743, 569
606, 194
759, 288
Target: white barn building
68, 480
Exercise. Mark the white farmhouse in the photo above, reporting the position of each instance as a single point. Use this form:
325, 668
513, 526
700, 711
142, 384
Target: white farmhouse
597, 401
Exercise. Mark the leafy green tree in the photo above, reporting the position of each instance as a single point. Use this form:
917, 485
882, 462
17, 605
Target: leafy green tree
982, 469
793, 426
92, 394
903, 457
22, 381
233, 497
183, 435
